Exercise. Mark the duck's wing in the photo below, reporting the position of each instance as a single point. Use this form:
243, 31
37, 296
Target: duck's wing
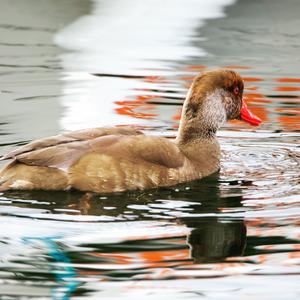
68, 138
135, 148
159, 151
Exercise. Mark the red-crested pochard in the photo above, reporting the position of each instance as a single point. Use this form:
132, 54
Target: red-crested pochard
104, 160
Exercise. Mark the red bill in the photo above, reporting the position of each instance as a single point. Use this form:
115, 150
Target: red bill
248, 116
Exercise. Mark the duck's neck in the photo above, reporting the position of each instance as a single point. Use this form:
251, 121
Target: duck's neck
202, 115
199, 123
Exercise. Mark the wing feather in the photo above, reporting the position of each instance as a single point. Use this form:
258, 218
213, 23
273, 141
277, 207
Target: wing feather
67, 138
121, 143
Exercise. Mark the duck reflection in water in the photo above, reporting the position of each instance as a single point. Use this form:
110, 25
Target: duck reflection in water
212, 238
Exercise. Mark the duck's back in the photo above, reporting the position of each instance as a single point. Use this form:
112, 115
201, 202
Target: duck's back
97, 160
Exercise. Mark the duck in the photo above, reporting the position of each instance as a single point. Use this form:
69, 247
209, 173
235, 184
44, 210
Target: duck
122, 158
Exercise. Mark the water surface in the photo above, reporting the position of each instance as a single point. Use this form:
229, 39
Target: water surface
233, 235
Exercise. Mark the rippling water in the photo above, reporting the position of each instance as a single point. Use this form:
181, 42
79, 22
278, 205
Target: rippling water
233, 235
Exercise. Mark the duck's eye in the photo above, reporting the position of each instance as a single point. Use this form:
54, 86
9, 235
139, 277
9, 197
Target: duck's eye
236, 90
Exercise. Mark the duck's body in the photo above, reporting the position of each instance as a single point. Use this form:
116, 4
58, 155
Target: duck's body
107, 160
104, 160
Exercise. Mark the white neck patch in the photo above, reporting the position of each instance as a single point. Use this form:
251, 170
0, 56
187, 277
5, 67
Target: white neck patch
213, 113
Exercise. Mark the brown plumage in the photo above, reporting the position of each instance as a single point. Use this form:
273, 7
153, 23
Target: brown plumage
104, 160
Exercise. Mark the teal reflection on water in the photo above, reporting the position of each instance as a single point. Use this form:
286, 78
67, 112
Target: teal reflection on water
65, 274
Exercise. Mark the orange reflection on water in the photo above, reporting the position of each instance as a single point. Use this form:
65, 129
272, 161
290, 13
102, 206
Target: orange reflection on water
269, 107
295, 111
287, 88
253, 95
196, 68
289, 118
129, 107
237, 67
251, 88
290, 122
177, 116
288, 80
165, 258
252, 79
146, 259
128, 110
186, 78
155, 79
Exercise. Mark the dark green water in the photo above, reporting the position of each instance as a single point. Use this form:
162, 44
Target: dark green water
72, 64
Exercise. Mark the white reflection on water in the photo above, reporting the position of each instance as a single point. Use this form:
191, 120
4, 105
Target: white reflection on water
126, 37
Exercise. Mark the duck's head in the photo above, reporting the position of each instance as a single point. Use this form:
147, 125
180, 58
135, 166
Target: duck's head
214, 97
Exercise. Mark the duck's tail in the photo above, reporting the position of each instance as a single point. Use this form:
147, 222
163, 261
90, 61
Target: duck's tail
19, 176
3, 186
